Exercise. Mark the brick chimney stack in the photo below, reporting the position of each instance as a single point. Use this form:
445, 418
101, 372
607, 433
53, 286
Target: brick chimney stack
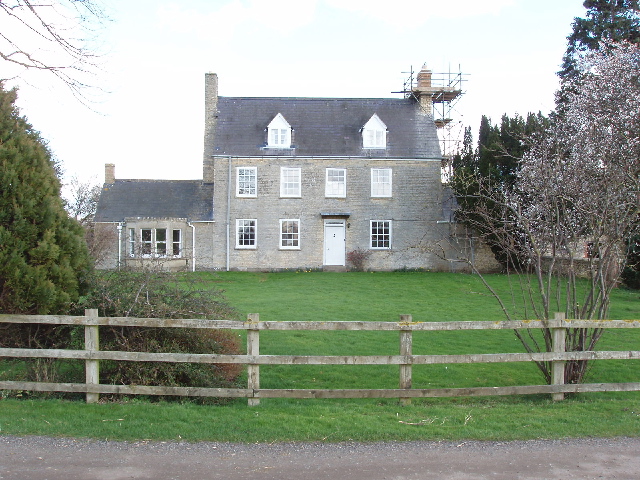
424, 78
109, 173
424, 90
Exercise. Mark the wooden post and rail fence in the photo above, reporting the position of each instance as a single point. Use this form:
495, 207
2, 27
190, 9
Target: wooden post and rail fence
92, 355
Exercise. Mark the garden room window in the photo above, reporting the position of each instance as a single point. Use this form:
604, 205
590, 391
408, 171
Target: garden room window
161, 242
146, 242
132, 242
176, 242
155, 242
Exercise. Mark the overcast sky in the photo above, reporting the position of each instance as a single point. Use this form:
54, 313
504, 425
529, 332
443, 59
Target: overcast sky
149, 120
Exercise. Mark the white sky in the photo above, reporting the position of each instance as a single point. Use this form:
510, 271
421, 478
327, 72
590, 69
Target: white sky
150, 120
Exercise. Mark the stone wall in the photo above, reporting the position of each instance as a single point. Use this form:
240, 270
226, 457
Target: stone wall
413, 209
130, 253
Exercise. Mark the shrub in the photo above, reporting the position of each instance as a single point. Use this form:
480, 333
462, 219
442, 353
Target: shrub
44, 261
357, 259
631, 273
157, 294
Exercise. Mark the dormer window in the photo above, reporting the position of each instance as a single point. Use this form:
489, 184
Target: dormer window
374, 133
279, 133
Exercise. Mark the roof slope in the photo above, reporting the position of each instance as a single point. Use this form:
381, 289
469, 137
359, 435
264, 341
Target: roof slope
324, 127
190, 199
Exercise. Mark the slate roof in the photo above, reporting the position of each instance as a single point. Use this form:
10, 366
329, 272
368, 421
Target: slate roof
190, 199
324, 127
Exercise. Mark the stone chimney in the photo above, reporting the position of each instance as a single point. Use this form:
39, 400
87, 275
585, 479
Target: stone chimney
424, 91
109, 173
210, 121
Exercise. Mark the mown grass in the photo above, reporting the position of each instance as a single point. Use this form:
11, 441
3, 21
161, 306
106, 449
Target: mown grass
364, 297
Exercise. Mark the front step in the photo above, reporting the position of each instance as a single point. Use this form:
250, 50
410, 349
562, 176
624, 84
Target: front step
334, 268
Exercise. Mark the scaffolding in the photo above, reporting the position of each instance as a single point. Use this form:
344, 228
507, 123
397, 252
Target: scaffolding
445, 90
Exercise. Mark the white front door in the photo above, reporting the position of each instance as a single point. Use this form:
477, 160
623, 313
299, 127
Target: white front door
334, 242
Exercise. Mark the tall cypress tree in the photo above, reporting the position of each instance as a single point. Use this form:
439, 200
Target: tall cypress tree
479, 176
43, 257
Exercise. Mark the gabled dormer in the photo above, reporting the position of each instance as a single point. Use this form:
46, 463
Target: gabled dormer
374, 133
279, 133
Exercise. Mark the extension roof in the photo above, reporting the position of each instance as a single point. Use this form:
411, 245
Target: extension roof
189, 199
324, 127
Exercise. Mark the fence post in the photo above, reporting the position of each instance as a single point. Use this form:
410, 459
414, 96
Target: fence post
406, 347
253, 348
91, 344
557, 367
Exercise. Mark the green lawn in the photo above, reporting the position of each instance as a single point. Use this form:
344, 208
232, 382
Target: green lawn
427, 296
363, 297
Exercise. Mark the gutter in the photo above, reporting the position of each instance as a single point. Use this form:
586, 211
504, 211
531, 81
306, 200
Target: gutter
334, 157
228, 217
193, 246
119, 226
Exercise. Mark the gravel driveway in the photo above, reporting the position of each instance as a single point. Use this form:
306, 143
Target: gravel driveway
39, 458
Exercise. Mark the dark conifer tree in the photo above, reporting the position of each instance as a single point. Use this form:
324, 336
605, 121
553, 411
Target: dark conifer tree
43, 257
479, 176
615, 20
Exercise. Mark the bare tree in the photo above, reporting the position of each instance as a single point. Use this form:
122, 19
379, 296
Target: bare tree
574, 204
82, 200
53, 36
81, 203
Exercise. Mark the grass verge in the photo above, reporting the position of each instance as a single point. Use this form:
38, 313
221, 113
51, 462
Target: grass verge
328, 420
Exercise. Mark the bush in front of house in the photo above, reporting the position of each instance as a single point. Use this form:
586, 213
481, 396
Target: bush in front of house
156, 294
358, 258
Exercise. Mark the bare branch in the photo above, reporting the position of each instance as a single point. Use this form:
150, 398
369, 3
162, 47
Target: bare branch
575, 202
51, 36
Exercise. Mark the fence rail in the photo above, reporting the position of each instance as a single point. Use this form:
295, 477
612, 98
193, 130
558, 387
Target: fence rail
92, 355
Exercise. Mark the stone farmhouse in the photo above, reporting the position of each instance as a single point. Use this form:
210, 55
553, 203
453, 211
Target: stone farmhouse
293, 183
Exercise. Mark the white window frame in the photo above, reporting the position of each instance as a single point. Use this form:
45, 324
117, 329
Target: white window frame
151, 244
374, 134
380, 186
176, 243
290, 240
132, 242
146, 243
160, 242
291, 182
246, 223
247, 182
376, 238
279, 133
333, 188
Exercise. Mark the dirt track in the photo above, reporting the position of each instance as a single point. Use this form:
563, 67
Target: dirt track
39, 458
